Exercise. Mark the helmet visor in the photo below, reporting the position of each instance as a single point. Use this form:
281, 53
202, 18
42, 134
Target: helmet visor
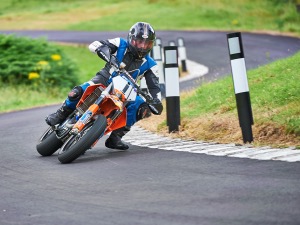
141, 43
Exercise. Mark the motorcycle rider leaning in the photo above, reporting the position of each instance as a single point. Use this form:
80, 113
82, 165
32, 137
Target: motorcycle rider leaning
134, 52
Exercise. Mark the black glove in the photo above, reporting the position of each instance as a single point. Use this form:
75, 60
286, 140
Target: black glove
155, 106
103, 52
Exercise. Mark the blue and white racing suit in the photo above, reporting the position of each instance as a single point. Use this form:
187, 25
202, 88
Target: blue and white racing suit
146, 67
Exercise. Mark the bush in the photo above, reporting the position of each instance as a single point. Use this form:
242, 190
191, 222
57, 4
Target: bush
35, 61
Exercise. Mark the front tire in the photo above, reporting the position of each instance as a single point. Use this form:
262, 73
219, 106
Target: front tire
49, 143
76, 145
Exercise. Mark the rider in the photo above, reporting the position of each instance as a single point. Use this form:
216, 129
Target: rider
134, 52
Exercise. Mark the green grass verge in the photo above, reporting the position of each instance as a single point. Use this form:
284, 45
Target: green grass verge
274, 91
274, 15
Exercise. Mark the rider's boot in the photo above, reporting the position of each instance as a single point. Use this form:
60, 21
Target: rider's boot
59, 116
114, 141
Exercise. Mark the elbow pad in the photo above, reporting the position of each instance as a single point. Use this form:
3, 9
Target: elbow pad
93, 46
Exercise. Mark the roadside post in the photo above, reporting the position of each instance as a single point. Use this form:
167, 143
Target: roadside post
157, 56
172, 43
172, 87
239, 74
182, 54
143, 85
158, 42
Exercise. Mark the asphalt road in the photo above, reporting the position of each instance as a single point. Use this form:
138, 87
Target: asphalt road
142, 185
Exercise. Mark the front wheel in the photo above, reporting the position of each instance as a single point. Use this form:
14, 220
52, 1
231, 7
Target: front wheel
48, 143
76, 145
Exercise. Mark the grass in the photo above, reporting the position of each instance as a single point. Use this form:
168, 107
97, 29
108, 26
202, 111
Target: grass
209, 112
17, 97
97, 15
87, 62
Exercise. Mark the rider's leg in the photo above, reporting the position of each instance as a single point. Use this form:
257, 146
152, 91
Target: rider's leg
135, 112
68, 106
73, 98
114, 141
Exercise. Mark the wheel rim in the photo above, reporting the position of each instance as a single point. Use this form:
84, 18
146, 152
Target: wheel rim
47, 133
73, 139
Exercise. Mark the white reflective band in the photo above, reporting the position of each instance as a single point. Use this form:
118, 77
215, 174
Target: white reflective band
172, 82
157, 53
239, 75
180, 42
161, 75
182, 53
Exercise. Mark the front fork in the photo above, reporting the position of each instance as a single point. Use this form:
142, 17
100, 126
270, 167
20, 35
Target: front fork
85, 118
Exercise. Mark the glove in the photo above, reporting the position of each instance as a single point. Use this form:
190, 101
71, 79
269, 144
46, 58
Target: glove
104, 53
156, 106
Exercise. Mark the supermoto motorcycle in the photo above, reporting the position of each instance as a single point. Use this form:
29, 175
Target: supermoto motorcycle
99, 111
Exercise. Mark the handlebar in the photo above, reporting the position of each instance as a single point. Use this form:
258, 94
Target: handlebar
148, 97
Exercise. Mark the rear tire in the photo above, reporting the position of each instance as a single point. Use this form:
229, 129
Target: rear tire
49, 143
75, 146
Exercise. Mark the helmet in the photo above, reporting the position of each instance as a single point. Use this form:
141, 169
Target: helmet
141, 38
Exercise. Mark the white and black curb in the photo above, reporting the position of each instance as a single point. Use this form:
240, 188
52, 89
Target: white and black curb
143, 138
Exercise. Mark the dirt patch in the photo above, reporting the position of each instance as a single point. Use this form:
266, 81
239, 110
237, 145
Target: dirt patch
222, 128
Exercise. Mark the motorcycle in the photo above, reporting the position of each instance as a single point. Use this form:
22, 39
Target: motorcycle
99, 111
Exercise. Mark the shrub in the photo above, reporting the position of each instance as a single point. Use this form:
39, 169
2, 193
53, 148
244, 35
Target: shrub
34, 61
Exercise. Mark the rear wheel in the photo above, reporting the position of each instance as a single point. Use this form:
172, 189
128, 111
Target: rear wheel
76, 145
49, 143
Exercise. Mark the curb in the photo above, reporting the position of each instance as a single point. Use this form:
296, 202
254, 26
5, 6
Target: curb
143, 138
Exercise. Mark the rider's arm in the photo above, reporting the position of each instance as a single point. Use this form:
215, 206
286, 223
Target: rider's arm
152, 82
105, 48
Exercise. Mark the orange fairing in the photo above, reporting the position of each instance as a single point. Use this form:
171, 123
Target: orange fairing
117, 123
110, 105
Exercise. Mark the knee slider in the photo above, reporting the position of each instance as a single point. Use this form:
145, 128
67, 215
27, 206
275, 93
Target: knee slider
75, 93
143, 112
